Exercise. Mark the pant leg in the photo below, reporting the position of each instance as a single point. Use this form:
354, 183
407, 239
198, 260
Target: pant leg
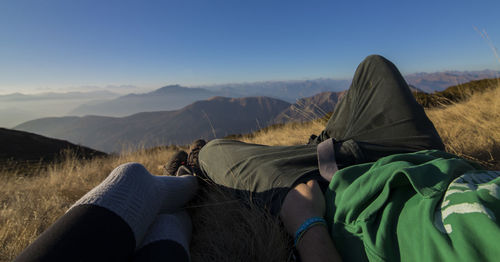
378, 116
259, 174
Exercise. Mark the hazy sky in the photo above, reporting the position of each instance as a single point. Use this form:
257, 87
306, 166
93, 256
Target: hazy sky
68, 44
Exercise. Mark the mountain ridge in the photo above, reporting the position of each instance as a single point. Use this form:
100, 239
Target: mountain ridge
173, 97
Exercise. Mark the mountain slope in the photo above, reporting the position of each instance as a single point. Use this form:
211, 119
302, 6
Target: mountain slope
309, 108
216, 117
24, 146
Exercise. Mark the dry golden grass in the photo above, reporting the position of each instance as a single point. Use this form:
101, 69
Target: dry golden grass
289, 134
224, 230
472, 129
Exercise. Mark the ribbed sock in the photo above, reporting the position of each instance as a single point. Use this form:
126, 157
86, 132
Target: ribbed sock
137, 196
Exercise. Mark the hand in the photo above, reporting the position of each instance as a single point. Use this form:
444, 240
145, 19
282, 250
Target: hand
303, 201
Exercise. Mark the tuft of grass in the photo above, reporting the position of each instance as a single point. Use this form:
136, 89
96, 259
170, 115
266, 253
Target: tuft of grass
283, 134
224, 229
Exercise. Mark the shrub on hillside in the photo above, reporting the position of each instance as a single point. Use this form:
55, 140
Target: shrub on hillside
455, 94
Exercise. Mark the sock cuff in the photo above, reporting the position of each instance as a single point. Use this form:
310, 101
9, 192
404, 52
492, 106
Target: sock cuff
176, 227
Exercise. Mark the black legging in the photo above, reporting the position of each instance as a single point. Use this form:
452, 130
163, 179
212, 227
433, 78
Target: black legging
93, 233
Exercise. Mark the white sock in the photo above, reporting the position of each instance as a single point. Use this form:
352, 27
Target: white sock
137, 196
176, 227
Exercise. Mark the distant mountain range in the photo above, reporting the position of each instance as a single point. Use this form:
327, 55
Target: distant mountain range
288, 91
22, 146
213, 118
175, 96
166, 98
18, 97
439, 81
18, 108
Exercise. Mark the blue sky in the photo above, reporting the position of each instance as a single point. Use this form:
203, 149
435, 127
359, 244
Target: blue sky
66, 45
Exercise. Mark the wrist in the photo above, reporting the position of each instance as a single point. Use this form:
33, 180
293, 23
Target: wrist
316, 245
310, 237
307, 225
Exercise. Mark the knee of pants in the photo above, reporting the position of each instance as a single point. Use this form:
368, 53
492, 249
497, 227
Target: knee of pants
207, 149
210, 145
374, 59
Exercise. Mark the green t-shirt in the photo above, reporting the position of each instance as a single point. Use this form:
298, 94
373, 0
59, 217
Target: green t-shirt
424, 206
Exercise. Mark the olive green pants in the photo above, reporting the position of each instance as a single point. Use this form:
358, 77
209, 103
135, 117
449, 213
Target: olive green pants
377, 117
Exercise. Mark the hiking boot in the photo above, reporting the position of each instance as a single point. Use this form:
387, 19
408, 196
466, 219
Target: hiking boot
192, 160
312, 140
177, 160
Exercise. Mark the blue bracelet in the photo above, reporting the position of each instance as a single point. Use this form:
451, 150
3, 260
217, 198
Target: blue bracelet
313, 221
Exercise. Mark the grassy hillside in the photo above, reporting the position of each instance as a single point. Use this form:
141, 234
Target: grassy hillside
224, 230
21, 151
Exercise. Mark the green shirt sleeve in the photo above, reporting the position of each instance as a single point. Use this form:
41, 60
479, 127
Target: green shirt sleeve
424, 206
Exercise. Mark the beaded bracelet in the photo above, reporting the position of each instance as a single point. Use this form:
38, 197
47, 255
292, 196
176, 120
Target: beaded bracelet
311, 222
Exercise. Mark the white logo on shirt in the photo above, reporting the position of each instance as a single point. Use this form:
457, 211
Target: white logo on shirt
465, 183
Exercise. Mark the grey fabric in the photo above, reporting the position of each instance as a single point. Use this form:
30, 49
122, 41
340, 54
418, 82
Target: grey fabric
377, 117
327, 162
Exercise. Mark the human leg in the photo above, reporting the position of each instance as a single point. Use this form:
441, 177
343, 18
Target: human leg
110, 221
380, 115
257, 173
